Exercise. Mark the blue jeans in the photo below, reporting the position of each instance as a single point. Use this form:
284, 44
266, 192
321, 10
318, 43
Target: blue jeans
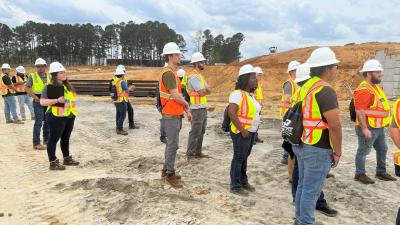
40, 121
314, 164
378, 141
121, 109
10, 106
241, 151
163, 134
25, 100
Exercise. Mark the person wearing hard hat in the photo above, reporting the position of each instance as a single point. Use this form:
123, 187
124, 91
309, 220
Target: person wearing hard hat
321, 146
34, 86
373, 115
7, 91
23, 98
197, 89
244, 125
289, 87
302, 76
60, 115
172, 107
258, 94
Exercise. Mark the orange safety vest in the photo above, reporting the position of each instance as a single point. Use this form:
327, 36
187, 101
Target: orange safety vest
284, 106
3, 87
378, 114
19, 87
312, 118
169, 105
246, 112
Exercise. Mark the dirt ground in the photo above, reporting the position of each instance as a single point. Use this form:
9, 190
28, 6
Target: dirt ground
118, 181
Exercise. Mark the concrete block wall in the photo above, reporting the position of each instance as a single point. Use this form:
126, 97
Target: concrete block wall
391, 78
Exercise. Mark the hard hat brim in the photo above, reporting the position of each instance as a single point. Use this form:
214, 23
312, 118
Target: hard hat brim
313, 65
297, 80
170, 53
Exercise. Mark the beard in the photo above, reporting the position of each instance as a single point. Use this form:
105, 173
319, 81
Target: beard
375, 80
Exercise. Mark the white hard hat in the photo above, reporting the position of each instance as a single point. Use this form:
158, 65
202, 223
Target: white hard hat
245, 69
292, 66
6, 66
56, 67
119, 71
121, 66
258, 70
180, 73
171, 48
302, 73
322, 56
40, 61
371, 65
197, 57
20, 69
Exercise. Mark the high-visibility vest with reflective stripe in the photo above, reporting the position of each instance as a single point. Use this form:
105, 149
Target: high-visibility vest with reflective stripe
195, 98
396, 112
37, 83
19, 87
122, 94
246, 112
259, 93
284, 106
168, 104
68, 108
184, 81
3, 87
313, 123
378, 114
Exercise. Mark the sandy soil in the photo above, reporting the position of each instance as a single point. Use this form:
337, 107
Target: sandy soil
118, 181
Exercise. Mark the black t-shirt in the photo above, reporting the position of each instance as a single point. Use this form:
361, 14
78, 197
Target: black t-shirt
7, 81
14, 80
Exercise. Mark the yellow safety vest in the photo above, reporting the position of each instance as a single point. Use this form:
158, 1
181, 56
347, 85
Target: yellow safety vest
37, 83
259, 93
19, 87
184, 81
312, 117
195, 98
284, 106
396, 118
3, 87
246, 112
122, 95
378, 113
68, 108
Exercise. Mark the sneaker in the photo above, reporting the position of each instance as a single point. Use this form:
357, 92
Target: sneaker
69, 161
164, 174
327, 211
173, 180
39, 147
133, 126
385, 177
121, 132
55, 165
363, 178
17, 122
249, 188
240, 192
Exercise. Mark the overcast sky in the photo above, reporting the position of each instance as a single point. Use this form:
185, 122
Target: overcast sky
286, 24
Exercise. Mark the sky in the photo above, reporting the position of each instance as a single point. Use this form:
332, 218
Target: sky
287, 24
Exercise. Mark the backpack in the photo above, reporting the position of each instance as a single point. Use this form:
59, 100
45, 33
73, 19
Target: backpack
292, 124
226, 123
352, 110
113, 91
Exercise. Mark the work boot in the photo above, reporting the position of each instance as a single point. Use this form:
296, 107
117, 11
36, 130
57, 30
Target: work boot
164, 174
201, 155
363, 178
56, 165
249, 188
385, 177
240, 192
133, 126
327, 211
9, 121
121, 131
258, 140
330, 175
69, 161
39, 147
163, 140
23, 118
173, 180
18, 122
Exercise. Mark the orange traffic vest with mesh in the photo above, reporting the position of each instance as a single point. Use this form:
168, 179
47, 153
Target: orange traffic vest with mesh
313, 123
168, 104
259, 93
19, 87
284, 106
122, 94
68, 108
378, 114
3, 87
246, 112
195, 98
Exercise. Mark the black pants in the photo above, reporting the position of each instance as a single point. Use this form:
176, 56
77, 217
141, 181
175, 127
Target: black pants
130, 113
59, 127
398, 218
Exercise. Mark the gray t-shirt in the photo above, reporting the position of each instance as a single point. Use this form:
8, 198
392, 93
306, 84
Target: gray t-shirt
29, 82
287, 88
44, 92
194, 84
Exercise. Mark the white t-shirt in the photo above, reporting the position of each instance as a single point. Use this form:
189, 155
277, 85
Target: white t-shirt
236, 98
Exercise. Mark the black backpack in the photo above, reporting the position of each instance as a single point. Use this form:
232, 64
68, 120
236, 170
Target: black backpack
352, 110
226, 123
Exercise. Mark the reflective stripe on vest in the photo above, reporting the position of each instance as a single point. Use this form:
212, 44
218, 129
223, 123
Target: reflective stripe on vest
246, 112
37, 83
68, 108
122, 94
195, 98
284, 105
19, 87
312, 117
168, 104
378, 114
3, 87
259, 93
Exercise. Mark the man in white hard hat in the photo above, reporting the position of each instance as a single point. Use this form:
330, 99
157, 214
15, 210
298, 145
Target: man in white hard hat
289, 87
7, 91
373, 115
34, 87
258, 95
23, 98
173, 107
197, 89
